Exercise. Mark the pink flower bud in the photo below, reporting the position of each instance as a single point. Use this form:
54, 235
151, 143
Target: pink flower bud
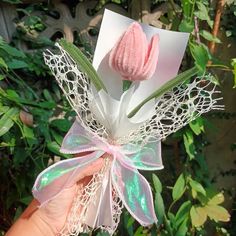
132, 56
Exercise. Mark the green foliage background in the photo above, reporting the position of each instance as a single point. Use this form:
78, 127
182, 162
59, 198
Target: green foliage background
186, 202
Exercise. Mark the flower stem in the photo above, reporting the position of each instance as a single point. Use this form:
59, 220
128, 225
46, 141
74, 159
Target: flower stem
83, 63
166, 87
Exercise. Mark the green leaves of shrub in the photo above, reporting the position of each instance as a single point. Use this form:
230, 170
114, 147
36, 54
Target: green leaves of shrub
158, 201
201, 56
179, 188
233, 63
203, 13
7, 119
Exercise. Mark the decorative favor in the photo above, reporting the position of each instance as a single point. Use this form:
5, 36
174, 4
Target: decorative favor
126, 104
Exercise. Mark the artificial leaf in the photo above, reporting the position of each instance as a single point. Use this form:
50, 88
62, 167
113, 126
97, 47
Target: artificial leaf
198, 216
179, 187
83, 63
180, 78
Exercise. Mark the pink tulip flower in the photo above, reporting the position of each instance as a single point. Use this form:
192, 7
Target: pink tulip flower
133, 57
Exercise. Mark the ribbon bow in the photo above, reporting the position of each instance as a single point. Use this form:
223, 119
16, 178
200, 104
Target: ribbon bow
132, 188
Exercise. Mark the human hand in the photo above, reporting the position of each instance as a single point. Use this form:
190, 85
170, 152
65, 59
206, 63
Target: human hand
51, 217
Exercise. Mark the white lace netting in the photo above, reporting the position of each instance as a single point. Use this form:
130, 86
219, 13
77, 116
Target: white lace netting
76, 87
84, 197
174, 110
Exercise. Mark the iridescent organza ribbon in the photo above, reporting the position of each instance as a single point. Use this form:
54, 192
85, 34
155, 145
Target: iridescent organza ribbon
126, 160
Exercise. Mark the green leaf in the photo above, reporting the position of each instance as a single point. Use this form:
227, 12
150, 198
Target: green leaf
217, 213
202, 14
47, 95
198, 216
6, 121
182, 213
189, 144
61, 124
186, 26
47, 104
139, 231
184, 76
12, 51
197, 186
3, 63
233, 63
183, 229
197, 126
17, 64
200, 55
3, 109
217, 199
208, 36
101, 234
159, 207
179, 188
18, 213
157, 183
28, 133
55, 148
58, 138
12, 94
2, 77
26, 200
83, 63
130, 222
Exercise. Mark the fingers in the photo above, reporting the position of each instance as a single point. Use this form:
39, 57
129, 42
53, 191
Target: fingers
94, 167
33, 206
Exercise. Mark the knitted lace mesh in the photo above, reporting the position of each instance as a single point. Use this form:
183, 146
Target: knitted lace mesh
174, 109
84, 197
76, 87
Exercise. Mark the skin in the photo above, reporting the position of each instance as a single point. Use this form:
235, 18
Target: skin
50, 218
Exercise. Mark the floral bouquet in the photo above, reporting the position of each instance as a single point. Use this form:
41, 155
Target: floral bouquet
126, 103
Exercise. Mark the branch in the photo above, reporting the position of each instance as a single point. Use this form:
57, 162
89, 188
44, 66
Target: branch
219, 11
